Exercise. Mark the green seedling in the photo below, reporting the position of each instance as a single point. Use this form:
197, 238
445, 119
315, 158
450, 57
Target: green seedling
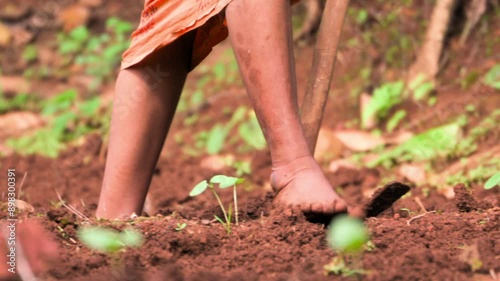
66, 120
407, 210
420, 88
492, 77
251, 132
394, 121
223, 182
347, 236
29, 53
180, 226
384, 99
109, 241
492, 181
18, 102
431, 144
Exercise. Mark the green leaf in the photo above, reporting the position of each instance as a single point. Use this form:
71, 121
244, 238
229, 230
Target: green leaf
60, 123
80, 34
101, 239
199, 188
423, 90
62, 101
251, 133
43, 142
347, 234
90, 107
225, 181
131, 238
118, 26
218, 178
493, 181
492, 77
30, 53
395, 119
219, 71
216, 139
384, 99
219, 220
362, 17
436, 142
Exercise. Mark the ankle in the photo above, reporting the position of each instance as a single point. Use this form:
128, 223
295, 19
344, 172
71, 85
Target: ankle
283, 173
285, 159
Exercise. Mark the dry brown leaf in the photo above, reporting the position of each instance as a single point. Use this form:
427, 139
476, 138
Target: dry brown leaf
214, 163
13, 12
5, 35
91, 3
413, 172
398, 138
335, 165
15, 122
74, 16
24, 206
359, 140
14, 84
328, 147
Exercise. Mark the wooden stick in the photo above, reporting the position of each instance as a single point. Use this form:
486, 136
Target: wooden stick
325, 54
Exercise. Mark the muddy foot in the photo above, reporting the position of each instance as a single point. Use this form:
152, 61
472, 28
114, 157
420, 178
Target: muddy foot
302, 184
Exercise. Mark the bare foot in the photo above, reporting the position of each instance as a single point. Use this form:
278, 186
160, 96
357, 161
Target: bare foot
301, 183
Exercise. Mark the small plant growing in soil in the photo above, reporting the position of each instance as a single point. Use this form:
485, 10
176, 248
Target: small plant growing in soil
493, 181
180, 226
109, 241
223, 182
347, 236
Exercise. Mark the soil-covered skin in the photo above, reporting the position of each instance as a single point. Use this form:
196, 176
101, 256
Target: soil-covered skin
423, 236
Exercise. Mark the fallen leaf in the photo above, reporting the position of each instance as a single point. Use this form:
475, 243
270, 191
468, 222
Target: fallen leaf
413, 172
328, 147
213, 163
16, 122
398, 138
447, 192
335, 165
359, 140
91, 3
13, 12
14, 84
5, 35
74, 16
24, 206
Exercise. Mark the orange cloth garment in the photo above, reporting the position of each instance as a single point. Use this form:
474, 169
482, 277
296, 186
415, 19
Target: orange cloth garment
163, 21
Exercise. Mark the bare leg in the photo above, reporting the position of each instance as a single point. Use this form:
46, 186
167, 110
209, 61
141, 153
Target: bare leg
145, 100
260, 32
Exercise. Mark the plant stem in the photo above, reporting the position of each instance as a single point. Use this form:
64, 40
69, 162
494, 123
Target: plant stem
235, 205
220, 204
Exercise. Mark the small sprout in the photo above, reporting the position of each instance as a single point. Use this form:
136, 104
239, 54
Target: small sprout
346, 235
199, 188
493, 181
180, 226
109, 241
223, 182
407, 210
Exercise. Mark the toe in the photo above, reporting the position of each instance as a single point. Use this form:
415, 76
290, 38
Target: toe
340, 206
317, 208
329, 209
305, 208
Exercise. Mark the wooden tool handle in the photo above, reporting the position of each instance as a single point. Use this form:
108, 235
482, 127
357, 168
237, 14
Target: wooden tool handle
320, 78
